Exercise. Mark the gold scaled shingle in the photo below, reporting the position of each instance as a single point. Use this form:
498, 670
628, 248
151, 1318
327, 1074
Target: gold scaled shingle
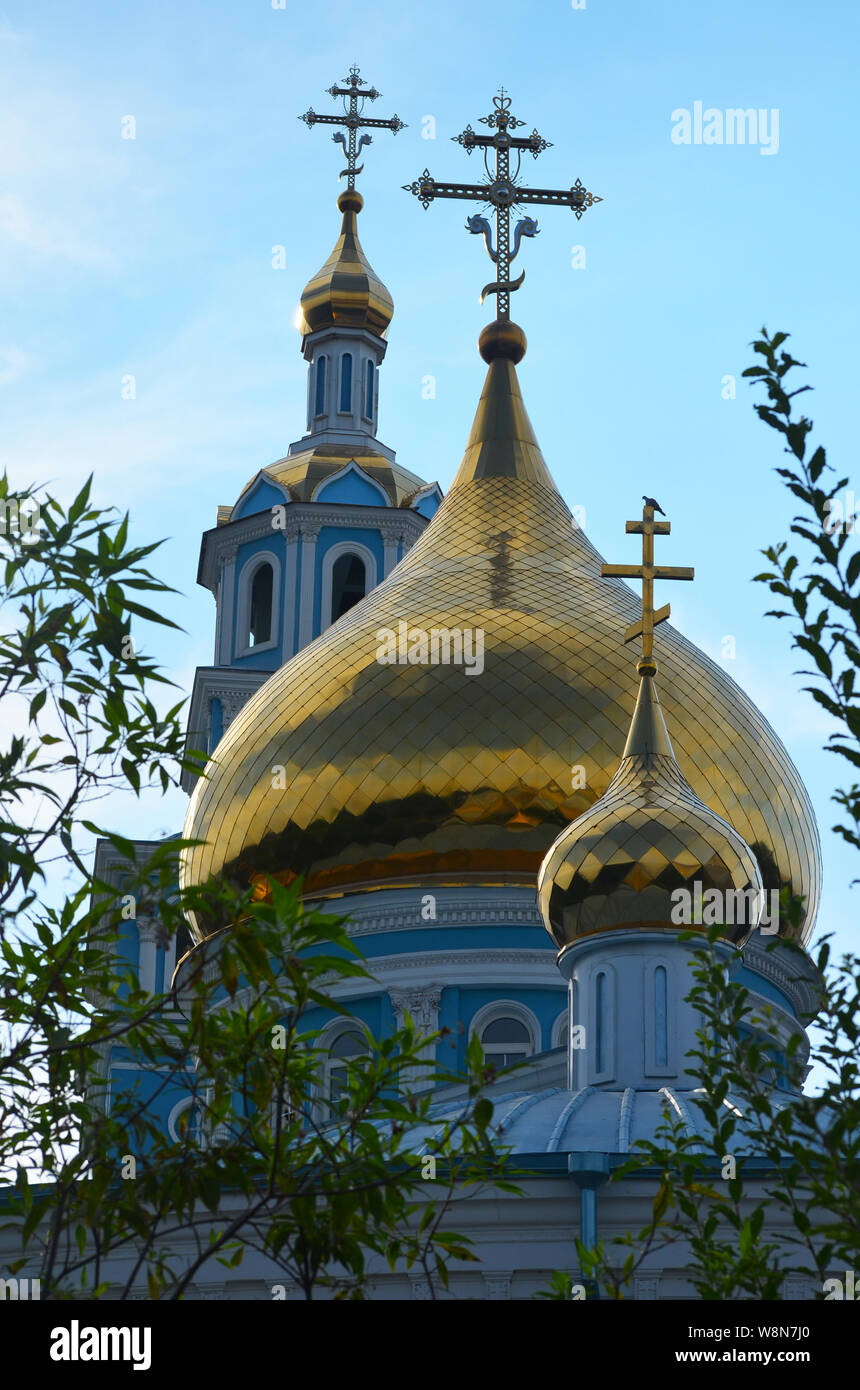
301, 473
346, 292
649, 835
501, 554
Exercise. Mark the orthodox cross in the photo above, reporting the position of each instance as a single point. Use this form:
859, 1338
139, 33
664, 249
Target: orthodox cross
354, 96
502, 192
647, 528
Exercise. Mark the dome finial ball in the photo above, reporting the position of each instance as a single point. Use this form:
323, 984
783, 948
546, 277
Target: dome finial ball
502, 339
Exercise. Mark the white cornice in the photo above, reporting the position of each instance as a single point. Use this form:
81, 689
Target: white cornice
233, 686
221, 544
507, 969
507, 910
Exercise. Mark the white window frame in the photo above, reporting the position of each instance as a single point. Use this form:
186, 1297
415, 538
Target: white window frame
608, 1071
341, 362
560, 1034
507, 1008
173, 1118
330, 559
243, 606
328, 1039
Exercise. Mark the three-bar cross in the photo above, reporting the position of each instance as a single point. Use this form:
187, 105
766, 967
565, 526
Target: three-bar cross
502, 192
647, 528
354, 96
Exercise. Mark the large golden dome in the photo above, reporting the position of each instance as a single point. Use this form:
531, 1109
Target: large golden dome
424, 774
346, 292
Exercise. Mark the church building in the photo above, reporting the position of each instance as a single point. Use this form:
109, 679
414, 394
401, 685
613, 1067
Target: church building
499, 801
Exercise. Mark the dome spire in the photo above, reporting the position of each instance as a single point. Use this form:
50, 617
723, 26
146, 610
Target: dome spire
346, 291
345, 309
619, 865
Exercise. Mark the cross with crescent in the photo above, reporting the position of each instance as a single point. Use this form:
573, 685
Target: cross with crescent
502, 192
647, 528
354, 96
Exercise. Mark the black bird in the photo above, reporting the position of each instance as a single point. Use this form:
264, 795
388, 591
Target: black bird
650, 502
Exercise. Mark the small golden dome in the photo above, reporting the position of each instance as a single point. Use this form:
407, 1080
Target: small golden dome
346, 292
648, 835
421, 773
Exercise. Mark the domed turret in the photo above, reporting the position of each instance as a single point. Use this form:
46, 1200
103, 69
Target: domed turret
401, 757
346, 292
620, 865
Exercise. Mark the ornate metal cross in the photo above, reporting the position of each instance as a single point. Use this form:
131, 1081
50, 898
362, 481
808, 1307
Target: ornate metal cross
647, 528
502, 192
354, 98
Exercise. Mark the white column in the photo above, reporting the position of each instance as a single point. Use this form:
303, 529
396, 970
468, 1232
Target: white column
290, 574
148, 954
309, 533
423, 1007
219, 589
390, 542
227, 606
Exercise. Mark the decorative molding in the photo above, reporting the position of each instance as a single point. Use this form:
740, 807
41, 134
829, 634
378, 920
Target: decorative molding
647, 1287
801, 992
797, 1289
232, 701
378, 917
233, 686
474, 957
221, 544
421, 1003
498, 1285
504, 969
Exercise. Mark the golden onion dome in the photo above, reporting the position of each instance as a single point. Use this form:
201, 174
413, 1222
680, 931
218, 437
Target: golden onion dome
649, 835
413, 773
346, 292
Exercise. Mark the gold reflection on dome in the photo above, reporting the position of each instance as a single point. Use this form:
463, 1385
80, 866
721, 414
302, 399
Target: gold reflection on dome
422, 774
346, 292
619, 864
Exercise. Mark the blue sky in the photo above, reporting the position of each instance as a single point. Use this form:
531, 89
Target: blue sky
153, 257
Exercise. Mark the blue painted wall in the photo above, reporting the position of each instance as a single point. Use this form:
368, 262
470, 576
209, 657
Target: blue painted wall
353, 489
262, 497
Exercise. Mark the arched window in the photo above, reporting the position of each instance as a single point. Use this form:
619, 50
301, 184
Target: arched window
261, 605
319, 389
347, 1045
368, 390
346, 381
600, 1022
505, 1041
348, 584
661, 1035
